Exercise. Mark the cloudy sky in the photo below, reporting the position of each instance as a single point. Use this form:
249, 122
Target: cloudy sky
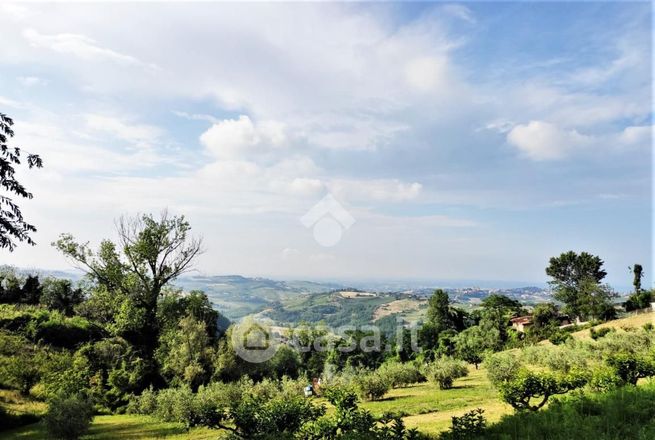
467, 141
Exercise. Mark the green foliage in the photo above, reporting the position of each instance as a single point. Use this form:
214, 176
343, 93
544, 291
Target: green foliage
59, 294
605, 378
576, 281
626, 413
630, 368
472, 343
559, 337
371, 385
13, 226
18, 289
502, 367
528, 385
600, 333
185, 353
352, 423
641, 299
466, 427
68, 418
444, 371
400, 375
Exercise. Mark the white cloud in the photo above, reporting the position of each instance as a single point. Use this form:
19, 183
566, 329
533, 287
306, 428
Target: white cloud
385, 190
637, 135
140, 135
539, 140
233, 138
80, 46
427, 74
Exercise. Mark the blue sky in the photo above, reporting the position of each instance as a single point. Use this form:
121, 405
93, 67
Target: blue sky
468, 141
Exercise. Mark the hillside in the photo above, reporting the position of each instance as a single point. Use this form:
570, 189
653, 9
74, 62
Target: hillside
634, 321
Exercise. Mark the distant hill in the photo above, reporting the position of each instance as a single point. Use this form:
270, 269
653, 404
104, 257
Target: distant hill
237, 296
292, 301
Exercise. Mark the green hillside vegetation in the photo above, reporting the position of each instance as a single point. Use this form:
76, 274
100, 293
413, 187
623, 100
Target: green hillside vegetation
125, 354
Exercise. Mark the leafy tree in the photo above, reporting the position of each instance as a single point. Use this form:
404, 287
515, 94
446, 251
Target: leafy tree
13, 226
472, 343
502, 367
372, 385
400, 375
545, 322
630, 368
441, 317
520, 391
15, 289
445, 370
438, 312
638, 273
595, 300
308, 341
153, 252
571, 274
503, 303
59, 294
185, 354
285, 362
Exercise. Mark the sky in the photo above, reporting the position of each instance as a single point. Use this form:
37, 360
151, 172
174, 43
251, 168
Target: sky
452, 141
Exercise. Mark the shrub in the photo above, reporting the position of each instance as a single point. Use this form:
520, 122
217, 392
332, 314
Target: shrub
648, 326
444, 371
559, 337
371, 386
145, 404
502, 367
604, 379
68, 418
466, 427
400, 375
601, 332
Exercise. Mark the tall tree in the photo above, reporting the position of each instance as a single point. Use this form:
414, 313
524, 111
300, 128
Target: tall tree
438, 313
153, 252
638, 273
13, 226
569, 273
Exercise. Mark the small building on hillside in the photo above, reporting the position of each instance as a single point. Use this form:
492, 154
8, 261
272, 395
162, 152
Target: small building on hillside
521, 323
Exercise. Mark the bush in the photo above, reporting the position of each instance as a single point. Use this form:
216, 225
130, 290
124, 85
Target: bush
371, 386
502, 367
68, 418
648, 326
605, 379
444, 371
559, 337
400, 375
601, 332
466, 427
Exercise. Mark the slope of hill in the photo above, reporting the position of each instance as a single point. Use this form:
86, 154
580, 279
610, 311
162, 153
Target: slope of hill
634, 321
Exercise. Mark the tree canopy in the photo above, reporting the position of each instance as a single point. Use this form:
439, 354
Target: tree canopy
13, 227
